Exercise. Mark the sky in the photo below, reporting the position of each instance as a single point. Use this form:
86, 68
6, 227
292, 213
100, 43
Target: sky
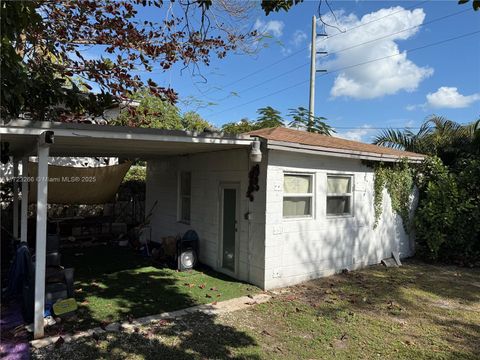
389, 64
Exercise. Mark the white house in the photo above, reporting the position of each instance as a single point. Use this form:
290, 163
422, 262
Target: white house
304, 209
312, 216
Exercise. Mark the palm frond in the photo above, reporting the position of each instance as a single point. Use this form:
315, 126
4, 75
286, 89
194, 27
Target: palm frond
395, 139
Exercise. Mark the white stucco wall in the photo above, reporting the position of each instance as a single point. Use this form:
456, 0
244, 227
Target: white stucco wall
302, 249
208, 172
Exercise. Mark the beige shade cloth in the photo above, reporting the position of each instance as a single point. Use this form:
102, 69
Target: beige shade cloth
297, 206
78, 185
297, 184
339, 185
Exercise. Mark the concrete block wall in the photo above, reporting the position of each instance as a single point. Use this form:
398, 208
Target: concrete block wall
301, 249
208, 172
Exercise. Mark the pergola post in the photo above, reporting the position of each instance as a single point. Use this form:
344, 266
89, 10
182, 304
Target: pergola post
41, 237
15, 198
24, 208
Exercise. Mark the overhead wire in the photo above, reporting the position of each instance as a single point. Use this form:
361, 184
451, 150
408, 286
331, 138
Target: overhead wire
342, 50
306, 47
350, 67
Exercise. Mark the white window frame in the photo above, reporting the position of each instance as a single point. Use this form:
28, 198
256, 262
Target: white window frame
350, 194
181, 196
311, 195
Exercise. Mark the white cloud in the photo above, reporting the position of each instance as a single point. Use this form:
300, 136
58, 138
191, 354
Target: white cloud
410, 124
271, 27
414, 107
356, 134
298, 37
379, 78
449, 97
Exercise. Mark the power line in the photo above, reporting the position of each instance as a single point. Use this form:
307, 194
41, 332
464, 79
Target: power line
341, 50
306, 47
350, 67
266, 81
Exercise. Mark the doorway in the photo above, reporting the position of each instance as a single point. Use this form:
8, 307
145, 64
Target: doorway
229, 224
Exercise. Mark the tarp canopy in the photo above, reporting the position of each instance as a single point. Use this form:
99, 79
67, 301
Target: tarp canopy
79, 185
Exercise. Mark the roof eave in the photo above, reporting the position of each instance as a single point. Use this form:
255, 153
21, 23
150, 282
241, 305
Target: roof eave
34, 128
110, 129
73, 140
319, 150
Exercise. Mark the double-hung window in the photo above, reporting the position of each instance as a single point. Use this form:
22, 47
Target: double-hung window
339, 195
184, 196
297, 195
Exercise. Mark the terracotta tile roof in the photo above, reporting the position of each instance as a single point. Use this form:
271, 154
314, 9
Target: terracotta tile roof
322, 141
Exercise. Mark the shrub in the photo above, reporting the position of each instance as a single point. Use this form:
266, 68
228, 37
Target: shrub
136, 173
447, 220
397, 178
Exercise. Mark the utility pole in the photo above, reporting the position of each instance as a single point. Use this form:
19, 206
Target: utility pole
313, 70
313, 59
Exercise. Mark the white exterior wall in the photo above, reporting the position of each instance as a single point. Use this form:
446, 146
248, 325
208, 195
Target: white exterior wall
301, 249
208, 172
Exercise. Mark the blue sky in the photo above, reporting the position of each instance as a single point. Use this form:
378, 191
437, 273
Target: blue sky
398, 91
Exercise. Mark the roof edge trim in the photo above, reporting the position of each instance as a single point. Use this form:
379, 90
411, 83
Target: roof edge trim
318, 150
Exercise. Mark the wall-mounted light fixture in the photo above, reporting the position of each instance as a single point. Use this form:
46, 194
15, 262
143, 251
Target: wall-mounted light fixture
255, 152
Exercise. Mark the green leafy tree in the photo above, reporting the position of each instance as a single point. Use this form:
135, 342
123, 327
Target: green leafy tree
239, 127
150, 112
269, 118
192, 121
475, 3
153, 112
301, 119
277, 5
43, 62
473, 132
447, 220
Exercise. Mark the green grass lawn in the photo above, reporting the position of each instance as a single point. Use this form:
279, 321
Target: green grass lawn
418, 311
115, 284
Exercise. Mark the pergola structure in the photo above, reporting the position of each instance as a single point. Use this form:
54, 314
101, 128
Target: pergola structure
45, 139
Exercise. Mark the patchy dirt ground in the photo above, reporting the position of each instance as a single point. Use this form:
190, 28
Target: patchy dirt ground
418, 311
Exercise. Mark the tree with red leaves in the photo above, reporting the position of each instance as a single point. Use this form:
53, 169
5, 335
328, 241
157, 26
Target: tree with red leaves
46, 74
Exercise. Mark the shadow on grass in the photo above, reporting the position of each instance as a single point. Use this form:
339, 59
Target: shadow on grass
197, 336
115, 284
443, 299
91, 262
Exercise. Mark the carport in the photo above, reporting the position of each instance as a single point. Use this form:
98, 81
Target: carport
44, 139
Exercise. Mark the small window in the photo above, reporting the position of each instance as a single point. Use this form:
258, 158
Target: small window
297, 195
185, 197
339, 195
